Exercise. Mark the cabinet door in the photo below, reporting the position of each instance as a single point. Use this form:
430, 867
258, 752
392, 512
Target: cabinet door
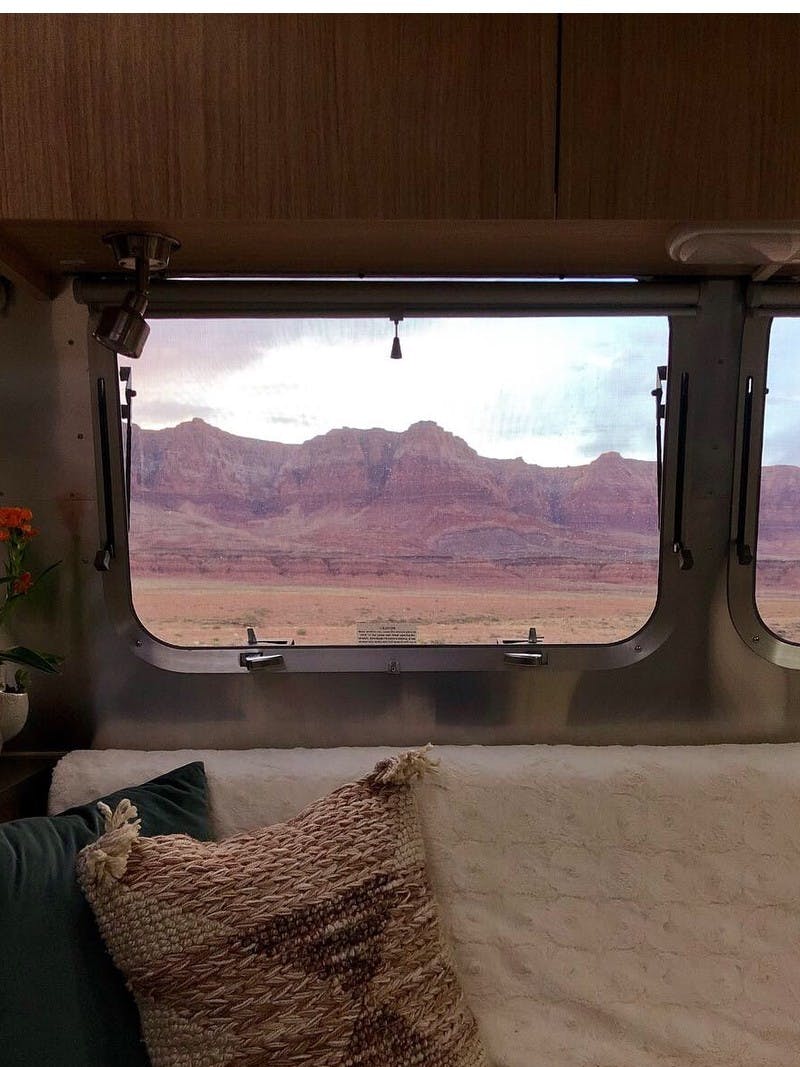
680, 116
277, 116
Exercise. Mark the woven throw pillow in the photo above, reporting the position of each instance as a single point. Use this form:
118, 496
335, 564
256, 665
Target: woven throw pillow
310, 942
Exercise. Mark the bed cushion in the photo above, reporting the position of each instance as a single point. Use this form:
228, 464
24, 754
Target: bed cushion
309, 942
634, 906
62, 1001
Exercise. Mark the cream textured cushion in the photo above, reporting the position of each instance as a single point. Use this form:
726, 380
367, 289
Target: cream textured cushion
313, 941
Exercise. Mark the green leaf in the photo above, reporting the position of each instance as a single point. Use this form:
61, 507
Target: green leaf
39, 577
40, 661
47, 570
9, 578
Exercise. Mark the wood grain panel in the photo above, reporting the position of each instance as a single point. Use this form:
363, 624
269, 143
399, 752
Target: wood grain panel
493, 248
20, 269
680, 116
277, 116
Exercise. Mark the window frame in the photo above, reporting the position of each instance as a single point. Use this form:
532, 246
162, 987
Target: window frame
765, 303
678, 301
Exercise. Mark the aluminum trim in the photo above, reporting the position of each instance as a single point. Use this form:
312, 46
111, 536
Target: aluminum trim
773, 300
742, 603
397, 659
684, 351
356, 299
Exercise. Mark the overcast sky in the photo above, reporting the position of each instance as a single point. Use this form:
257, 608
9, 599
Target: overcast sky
553, 391
782, 418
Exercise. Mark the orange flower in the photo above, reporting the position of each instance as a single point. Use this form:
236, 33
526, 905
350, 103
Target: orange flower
22, 584
15, 523
15, 518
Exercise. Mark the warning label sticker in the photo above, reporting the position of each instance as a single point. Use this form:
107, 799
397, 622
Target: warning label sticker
385, 633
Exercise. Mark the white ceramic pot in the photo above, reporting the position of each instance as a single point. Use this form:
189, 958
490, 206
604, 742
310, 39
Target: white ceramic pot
13, 714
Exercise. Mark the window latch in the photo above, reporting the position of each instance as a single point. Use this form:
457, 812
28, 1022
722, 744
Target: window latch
532, 639
259, 661
254, 641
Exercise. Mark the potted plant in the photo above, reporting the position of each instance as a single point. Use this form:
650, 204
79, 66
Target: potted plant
17, 584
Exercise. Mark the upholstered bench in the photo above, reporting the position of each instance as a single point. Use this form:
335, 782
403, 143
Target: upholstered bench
612, 907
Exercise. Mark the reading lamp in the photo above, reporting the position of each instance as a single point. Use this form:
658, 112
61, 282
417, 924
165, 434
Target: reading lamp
123, 329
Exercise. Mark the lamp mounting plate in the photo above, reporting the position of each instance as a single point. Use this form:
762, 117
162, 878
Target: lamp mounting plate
129, 249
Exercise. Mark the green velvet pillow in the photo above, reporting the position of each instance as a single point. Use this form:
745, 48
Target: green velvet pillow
62, 1001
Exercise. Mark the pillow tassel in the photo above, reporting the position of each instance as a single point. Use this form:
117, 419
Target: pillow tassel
106, 860
403, 769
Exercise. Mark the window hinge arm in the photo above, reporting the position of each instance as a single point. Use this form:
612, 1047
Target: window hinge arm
684, 554
744, 552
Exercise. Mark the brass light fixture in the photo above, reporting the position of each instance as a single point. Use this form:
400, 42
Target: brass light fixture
123, 329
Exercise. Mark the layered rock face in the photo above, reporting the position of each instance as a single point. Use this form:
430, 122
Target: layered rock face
779, 522
378, 502
422, 492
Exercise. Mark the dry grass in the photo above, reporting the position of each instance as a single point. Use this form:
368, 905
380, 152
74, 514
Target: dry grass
781, 614
200, 612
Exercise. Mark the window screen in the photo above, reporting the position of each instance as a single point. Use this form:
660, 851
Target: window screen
778, 563
500, 477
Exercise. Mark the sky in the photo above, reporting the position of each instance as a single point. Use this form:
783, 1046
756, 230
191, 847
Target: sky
554, 391
782, 414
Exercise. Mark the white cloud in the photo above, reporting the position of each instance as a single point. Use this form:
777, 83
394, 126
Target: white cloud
782, 415
554, 391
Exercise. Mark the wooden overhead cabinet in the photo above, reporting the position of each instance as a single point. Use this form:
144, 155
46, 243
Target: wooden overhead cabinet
680, 117
277, 116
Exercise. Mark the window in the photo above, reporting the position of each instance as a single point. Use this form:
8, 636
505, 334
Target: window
778, 563
289, 476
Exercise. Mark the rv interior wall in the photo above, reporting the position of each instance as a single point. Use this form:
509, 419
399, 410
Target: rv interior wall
701, 683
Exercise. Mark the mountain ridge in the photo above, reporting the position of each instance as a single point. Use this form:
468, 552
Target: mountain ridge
387, 479
368, 499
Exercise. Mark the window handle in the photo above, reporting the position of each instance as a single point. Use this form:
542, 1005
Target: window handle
526, 659
258, 661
